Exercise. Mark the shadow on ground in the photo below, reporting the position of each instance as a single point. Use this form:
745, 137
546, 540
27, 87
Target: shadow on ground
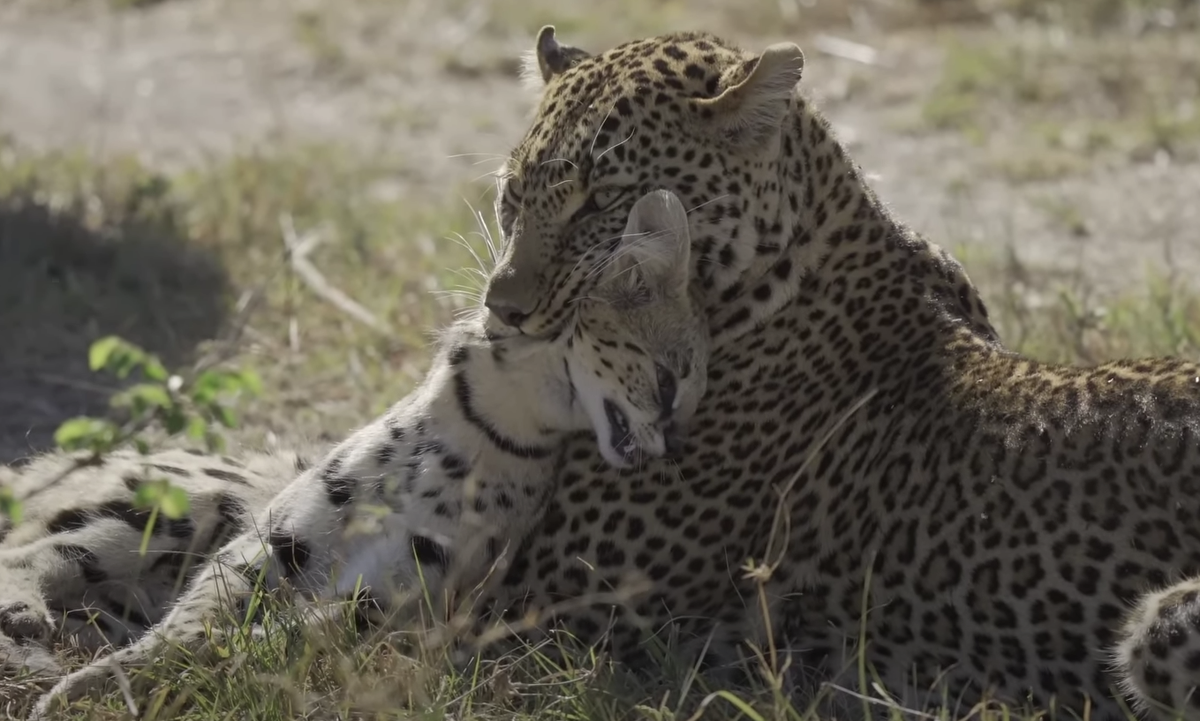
64, 282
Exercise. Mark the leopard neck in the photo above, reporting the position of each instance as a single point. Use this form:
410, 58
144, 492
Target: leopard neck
816, 213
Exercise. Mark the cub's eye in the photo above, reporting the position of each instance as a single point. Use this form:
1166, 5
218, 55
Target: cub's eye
667, 387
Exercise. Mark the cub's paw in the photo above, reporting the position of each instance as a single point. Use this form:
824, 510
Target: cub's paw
26, 623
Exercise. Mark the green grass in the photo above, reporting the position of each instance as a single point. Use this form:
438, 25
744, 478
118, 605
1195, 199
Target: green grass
1049, 103
1058, 316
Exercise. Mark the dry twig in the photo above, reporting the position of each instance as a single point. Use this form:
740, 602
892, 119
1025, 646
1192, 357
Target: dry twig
298, 250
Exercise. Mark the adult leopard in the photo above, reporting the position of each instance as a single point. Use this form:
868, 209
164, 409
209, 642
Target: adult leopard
427, 500
1018, 530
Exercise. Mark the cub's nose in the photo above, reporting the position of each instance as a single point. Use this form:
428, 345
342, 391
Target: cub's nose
509, 315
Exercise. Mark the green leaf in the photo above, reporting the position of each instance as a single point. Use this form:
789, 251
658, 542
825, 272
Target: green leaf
101, 351
175, 420
153, 394
148, 494
117, 356
196, 428
174, 502
213, 382
251, 383
84, 432
122, 363
154, 370
223, 415
205, 387
10, 506
142, 446
142, 397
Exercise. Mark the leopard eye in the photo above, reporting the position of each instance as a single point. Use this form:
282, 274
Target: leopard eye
507, 214
605, 197
598, 201
508, 204
667, 387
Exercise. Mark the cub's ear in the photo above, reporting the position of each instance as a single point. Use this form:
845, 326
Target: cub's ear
653, 258
751, 111
548, 59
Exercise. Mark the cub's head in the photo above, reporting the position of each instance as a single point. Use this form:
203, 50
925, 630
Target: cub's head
637, 352
685, 112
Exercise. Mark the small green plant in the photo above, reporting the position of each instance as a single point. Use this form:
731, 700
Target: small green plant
196, 405
10, 507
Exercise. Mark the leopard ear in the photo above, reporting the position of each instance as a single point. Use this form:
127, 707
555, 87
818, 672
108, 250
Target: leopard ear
751, 111
548, 59
653, 258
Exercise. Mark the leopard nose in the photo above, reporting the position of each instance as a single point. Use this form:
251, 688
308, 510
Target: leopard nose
509, 315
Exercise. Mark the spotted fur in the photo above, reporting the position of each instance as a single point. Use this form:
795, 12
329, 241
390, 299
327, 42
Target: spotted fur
1016, 530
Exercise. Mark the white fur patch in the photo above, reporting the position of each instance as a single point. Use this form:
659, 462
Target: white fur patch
531, 74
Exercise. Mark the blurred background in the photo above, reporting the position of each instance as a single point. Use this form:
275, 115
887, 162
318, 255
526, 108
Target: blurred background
299, 185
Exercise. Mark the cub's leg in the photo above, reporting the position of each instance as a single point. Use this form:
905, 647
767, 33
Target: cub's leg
221, 586
1157, 658
75, 564
26, 624
24, 615
98, 575
263, 557
31, 575
96, 582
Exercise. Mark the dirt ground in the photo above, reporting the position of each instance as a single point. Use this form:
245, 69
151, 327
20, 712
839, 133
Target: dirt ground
1072, 145
417, 81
